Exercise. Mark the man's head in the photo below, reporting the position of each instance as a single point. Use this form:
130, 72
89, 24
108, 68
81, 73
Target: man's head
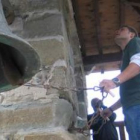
96, 103
131, 29
125, 34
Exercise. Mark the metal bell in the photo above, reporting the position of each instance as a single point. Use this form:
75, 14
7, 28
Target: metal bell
19, 62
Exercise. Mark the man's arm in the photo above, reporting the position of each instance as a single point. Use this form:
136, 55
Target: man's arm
131, 71
108, 111
116, 105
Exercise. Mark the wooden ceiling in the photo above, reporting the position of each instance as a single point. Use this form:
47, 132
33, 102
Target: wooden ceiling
97, 21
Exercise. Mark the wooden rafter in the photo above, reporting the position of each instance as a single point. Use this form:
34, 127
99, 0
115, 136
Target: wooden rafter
79, 27
105, 58
97, 26
134, 4
122, 9
91, 61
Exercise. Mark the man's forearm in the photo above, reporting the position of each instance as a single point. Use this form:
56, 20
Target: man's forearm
131, 71
116, 106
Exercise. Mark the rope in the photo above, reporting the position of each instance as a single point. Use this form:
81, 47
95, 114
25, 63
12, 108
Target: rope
94, 119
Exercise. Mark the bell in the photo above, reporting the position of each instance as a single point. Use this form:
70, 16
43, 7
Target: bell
19, 62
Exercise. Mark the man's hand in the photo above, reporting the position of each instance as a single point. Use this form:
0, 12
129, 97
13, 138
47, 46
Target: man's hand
108, 85
106, 113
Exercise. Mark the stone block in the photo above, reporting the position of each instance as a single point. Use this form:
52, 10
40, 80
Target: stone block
58, 80
44, 137
49, 50
28, 117
60, 135
42, 25
63, 113
82, 110
33, 5
36, 116
24, 94
41, 135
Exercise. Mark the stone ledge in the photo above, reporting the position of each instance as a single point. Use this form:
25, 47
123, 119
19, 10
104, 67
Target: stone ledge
35, 116
54, 134
59, 135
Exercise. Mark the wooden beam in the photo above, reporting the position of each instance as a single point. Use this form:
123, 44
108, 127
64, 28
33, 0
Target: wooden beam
97, 26
134, 4
96, 59
102, 67
121, 15
122, 12
121, 125
79, 27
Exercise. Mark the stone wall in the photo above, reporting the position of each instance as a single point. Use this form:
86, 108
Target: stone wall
48, 105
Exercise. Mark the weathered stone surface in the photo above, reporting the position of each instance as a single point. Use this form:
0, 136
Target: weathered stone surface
35, 116
22, 6
30, 117
44, 137
62, 113
7, 136
38, 26
82, 137
8, 11
24, 94
57, 136
49, 50
82, 110
42, 24
17, 26
58, 82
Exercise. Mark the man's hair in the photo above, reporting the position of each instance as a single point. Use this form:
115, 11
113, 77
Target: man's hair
131, 29
95, 103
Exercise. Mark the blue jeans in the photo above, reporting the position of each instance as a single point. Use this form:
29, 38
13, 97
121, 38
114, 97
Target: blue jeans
132, 122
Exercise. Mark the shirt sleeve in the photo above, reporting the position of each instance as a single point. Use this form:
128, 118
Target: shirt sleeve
135, 59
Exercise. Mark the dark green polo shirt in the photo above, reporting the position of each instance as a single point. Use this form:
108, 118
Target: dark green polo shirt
130, 90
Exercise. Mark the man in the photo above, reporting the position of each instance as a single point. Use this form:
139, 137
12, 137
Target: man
129, 81
102, 130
